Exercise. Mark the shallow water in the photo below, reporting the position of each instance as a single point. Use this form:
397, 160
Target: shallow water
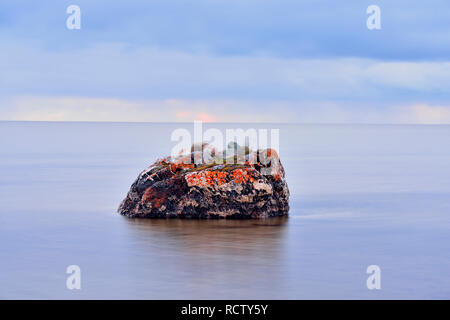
360, 195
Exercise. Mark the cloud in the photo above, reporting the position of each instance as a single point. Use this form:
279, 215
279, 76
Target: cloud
419, 76
35, 108
178, 110
232, 61
117, 71
411, 30
425, 114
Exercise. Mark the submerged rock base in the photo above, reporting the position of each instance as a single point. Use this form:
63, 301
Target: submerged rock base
172, 188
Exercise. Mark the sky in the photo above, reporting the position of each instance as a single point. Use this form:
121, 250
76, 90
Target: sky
226, 61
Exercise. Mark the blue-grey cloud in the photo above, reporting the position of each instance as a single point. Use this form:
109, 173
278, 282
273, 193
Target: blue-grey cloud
286, 28
314, 59
120, 71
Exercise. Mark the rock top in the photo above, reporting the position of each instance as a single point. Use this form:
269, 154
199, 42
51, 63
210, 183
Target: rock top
251, 186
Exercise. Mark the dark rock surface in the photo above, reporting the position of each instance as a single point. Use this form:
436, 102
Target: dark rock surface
176, 188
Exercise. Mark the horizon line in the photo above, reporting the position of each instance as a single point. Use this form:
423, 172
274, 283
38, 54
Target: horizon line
226, 122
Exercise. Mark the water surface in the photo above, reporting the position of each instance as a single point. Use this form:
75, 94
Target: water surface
360, 195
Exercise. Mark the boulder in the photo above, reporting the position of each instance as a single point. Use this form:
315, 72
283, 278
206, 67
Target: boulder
187, 187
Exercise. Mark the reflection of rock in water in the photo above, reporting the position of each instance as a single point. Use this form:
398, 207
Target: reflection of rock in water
229, 259
239, 237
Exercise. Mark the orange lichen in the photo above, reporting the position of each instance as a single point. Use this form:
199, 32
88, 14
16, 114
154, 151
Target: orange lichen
242, 176
175, 167
272, 153
212, 178
207, 178
154, 197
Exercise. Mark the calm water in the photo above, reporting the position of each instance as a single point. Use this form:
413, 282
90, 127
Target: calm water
360, 195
